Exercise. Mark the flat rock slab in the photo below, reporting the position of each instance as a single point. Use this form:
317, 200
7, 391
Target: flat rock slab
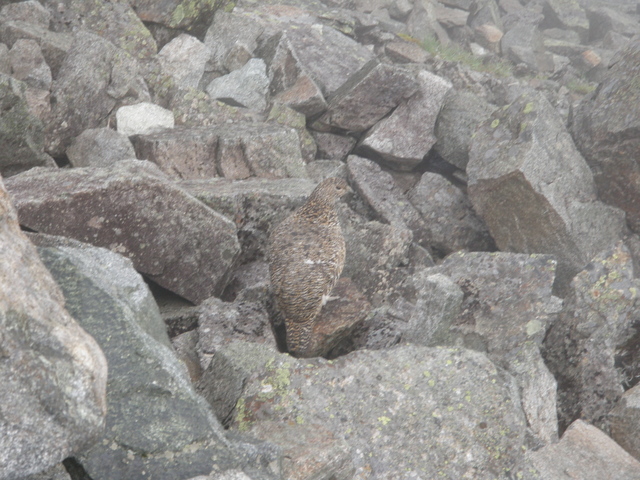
157, 426
143, 117
53, 373
534, 190
586, 453
413, 410
132, 208
99, 147
247, 87
367, 96
407, 135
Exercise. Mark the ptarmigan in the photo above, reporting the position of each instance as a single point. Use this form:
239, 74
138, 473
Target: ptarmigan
306, 256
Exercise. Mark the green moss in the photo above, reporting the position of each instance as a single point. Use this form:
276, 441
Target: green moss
242, 417
528, 108
455, 53
580, 87
189, 10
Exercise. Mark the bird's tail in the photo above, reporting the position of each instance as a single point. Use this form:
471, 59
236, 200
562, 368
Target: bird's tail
299, 336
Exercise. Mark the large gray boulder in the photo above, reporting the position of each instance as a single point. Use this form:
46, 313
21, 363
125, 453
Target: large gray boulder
99, 147
53, 373
133, 209
534, 190
94, 79
605, 130
156, 425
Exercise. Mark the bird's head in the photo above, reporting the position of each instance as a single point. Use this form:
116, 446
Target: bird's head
330, 190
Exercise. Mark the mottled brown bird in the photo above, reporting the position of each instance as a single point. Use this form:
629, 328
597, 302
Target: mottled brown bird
306, 256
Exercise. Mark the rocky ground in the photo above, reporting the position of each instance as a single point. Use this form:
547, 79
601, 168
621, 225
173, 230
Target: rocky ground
487, 325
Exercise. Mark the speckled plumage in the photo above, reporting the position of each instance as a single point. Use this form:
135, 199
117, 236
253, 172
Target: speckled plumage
306, 256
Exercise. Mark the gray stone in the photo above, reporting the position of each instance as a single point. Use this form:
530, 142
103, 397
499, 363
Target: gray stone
175, 434
231, 39
184, 59
284, 115
320, 169
27, 11
143, 118
129, 207
28, 64
399, 410
448, 215
5, 63
586, 453
406, 52
53, 373
99, 147
523, 43
368, 96
247, 86
625, 421
603, 20
21, 133
461, 113
566, 14
54, 45
605, 130
406, 136
175, 14
58, 472
534, 190
332, 146
485, 12
450, 17
94, 79
583, 346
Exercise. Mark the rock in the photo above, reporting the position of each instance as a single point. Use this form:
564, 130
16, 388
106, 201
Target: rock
534, 190
27, 11
5, 63
489, 37
461, 113
53, 373
587, 453
407, 135
406, 52
287, 116
194, 108
58, 472
604, 129
113, 303
28, 64
21, 133
94, 79
231, 40
54, 45
447, 212
484, 12
374, 399
255, 204
566, 14
129, 207
603, 20
332, 146
184, 59
185, 345
367, 97
625, 420
247, 87
450, 17
99, 147
523, 43
143, 118
583, 346
181, 153
321, 169
193, 17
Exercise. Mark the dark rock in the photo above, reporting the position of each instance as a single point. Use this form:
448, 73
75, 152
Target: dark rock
21, 133
53, 374
99, 147
406, 136
175, 434
94, 79
448, 215
461, 113
625, 419
583, 345
128, 208
605, 129
367, 96
606, 460
534, 190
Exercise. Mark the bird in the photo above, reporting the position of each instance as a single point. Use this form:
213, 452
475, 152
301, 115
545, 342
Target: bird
306, 254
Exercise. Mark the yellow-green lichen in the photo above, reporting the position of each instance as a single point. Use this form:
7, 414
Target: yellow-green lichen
528, 108
242, 418
384, 420
495, 123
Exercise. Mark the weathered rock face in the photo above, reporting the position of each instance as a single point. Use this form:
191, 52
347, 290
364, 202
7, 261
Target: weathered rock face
99, 147
534, 190
111, 207
583, 345
53, 373
161, 429
21, 133
389, 408
248, 86
625, 418
605, 129
94, 78
184, 59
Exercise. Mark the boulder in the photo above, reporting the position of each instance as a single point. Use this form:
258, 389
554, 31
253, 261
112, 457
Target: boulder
30, 11
133, 209
605, 130
566, 14
53, 373
94, 79
406, 136
28, 64
184, 59
143, 118
534, 190
283, 115
583, 346
194, 17
333, 147
99, 147
246, 87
